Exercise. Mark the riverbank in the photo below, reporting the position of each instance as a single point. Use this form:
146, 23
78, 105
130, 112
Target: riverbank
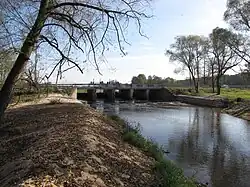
235, 102
203, 101
64, 143
239, 109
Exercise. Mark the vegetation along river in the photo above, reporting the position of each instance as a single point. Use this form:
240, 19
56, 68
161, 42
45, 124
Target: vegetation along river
211, 146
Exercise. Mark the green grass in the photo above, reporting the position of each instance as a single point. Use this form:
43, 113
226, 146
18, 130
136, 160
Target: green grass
167, 173
81, 90
191, 91
230, 93
234, 93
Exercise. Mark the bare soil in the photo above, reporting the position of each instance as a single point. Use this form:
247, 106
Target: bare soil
67, 145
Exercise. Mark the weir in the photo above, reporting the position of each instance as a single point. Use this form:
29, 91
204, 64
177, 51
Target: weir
126, 92
141, 94
91, 94
110, 93
162, 94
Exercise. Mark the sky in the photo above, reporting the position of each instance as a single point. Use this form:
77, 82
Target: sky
146, 55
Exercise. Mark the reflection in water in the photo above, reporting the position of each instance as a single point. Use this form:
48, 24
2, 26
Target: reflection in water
212, 146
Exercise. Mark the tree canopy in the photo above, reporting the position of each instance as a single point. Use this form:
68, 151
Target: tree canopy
64, 28
238, 14
188, 51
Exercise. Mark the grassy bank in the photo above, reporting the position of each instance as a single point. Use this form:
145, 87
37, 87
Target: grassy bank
80, 90
167, 173
230, 93
234, 93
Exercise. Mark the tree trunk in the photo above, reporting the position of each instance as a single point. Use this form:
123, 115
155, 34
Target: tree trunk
195, 83
213, 85
23, 57
218, 84
198, 78
213, 78
204, 73
197, 87
190, 81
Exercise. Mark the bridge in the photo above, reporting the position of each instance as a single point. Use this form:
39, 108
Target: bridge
104, 86
153, 92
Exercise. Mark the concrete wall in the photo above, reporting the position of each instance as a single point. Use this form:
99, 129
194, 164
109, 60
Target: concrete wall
101, 95
161, 95
74, 93
91, 93
110, 93
201, 101
82, 96
126, 94
142, 94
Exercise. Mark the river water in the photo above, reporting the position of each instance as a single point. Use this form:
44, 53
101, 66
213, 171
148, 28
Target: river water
211, 146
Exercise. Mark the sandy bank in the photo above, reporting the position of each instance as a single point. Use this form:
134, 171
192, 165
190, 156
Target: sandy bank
69, 145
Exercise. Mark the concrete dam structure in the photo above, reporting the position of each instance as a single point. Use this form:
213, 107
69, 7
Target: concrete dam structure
162, 94
110, 92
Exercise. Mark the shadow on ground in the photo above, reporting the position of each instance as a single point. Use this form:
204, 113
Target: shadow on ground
67, 145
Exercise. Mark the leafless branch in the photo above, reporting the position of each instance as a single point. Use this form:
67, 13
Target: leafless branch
68, 34
52, 44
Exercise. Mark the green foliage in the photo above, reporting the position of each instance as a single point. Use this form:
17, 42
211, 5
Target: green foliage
153, 80
81, 91
140, 79
230, 93
188, 52
238, 14
167, 173
234, 93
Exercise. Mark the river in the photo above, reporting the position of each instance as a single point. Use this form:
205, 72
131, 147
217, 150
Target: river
211, 146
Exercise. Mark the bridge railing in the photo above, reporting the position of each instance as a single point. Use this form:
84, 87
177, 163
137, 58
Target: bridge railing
108, 85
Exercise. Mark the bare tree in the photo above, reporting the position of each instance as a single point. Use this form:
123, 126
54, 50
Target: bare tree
211, 66
188, 50
238, 16
34, 72
209, 63
65, 26
224, 58
6, 61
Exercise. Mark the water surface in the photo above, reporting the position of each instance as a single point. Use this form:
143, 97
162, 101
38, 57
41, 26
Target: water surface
213, 147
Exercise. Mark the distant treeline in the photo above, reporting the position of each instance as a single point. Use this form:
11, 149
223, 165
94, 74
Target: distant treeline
237, 80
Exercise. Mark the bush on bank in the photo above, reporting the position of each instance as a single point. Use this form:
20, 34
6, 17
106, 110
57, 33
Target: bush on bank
167, 173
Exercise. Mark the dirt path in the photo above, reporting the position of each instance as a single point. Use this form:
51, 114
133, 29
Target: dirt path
67, 145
